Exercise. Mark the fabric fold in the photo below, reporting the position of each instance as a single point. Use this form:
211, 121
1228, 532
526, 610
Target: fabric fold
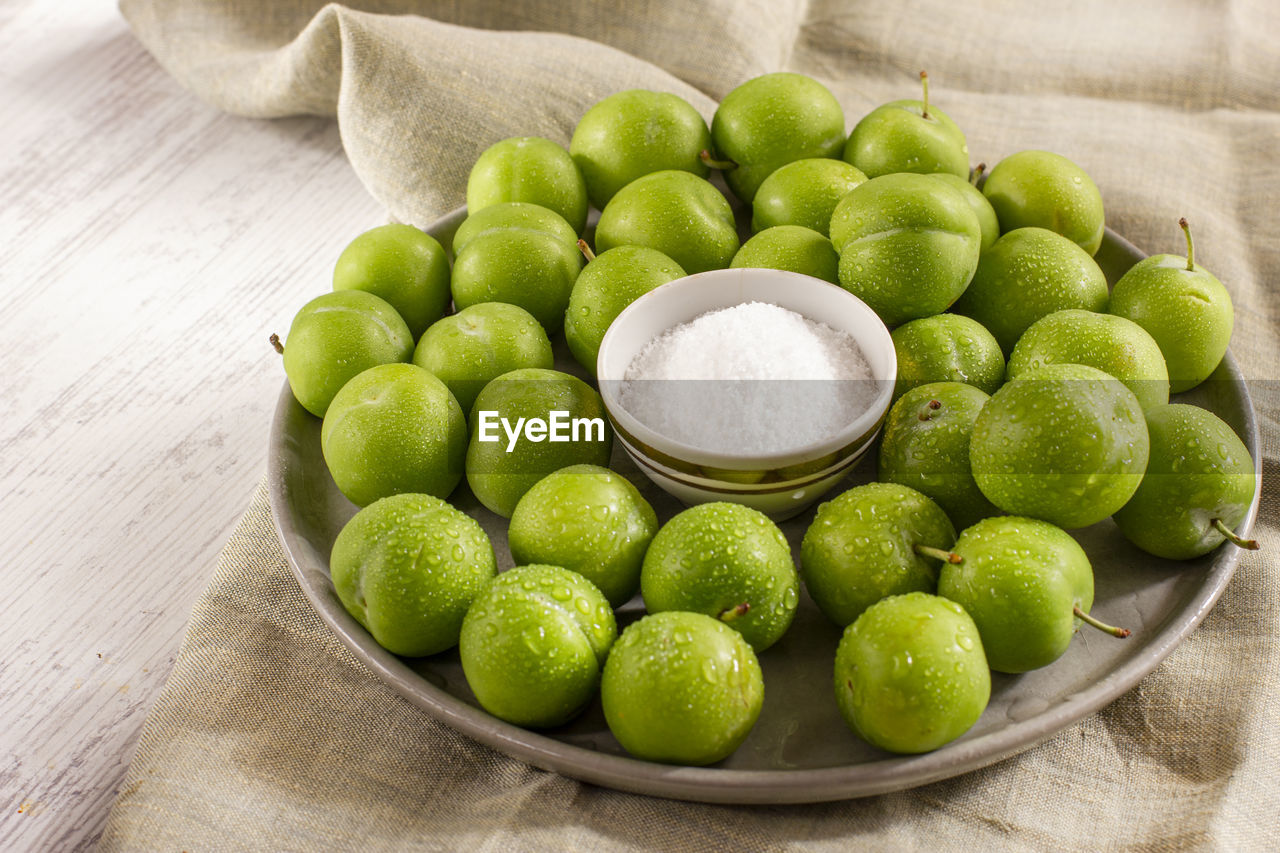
416, 100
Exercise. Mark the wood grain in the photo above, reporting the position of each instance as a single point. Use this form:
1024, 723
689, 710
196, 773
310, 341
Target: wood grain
148, 246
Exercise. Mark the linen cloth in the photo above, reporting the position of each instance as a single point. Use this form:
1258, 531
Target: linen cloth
270, 735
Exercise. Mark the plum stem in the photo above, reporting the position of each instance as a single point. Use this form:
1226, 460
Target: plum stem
586, 250
734, 612
1233, 537
1101, 626
711, 162
976, 175
275, 343
1191, 247
924, 83
938, 554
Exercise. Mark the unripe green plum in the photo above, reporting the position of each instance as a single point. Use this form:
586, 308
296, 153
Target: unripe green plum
908, 245
609, 283
673, 212
793, 248
926, 447
501, 468
770, 121
1066, 443
1199, 485
1021, 580
871, 542
531, 169
591, 521
404, 266
681, 688
513, 214
978, 203
336, 336
910, 673
908, 136
1114, 345
394, 428
532, 269
1045, 190
533, 644
1028, 274
1183, 307
803, 193
634, 133
407, 567
467, 350
727, 561
947, 348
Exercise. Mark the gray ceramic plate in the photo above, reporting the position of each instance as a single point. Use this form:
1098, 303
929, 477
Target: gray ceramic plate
800, 750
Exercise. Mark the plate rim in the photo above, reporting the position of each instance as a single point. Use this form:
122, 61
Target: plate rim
731, 785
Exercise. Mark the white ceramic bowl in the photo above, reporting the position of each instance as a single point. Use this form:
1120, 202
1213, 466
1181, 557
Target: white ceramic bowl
781, 483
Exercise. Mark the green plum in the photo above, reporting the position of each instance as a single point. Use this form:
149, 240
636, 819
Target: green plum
681, 688
790, 247
910, 673
532, 269
404, 266
1114, 345
926, 447
533, 644
908, 245
770, 121
871, 542
589, 520
803, 193
982, 208
1184, 307
394, 428
407, 567
530, 169
947, 348
634, 133
336, 336
908, 136
513, 214
481, 342
673, 212
526, 424
1045, 190
1199, 485
1027, 584
1066, 443
610, 282
1028, 274
727, 561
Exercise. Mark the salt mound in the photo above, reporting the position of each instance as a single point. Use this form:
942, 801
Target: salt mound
752, 378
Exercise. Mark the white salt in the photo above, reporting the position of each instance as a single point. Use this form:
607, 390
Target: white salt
753, 378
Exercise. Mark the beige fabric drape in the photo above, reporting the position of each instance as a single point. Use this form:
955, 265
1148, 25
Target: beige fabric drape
270, 735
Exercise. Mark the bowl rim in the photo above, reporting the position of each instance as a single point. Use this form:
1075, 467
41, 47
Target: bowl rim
609, 382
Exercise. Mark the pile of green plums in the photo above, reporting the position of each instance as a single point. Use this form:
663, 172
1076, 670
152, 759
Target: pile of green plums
1030, 399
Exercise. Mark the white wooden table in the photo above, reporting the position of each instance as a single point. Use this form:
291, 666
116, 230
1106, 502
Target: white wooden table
149, 244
